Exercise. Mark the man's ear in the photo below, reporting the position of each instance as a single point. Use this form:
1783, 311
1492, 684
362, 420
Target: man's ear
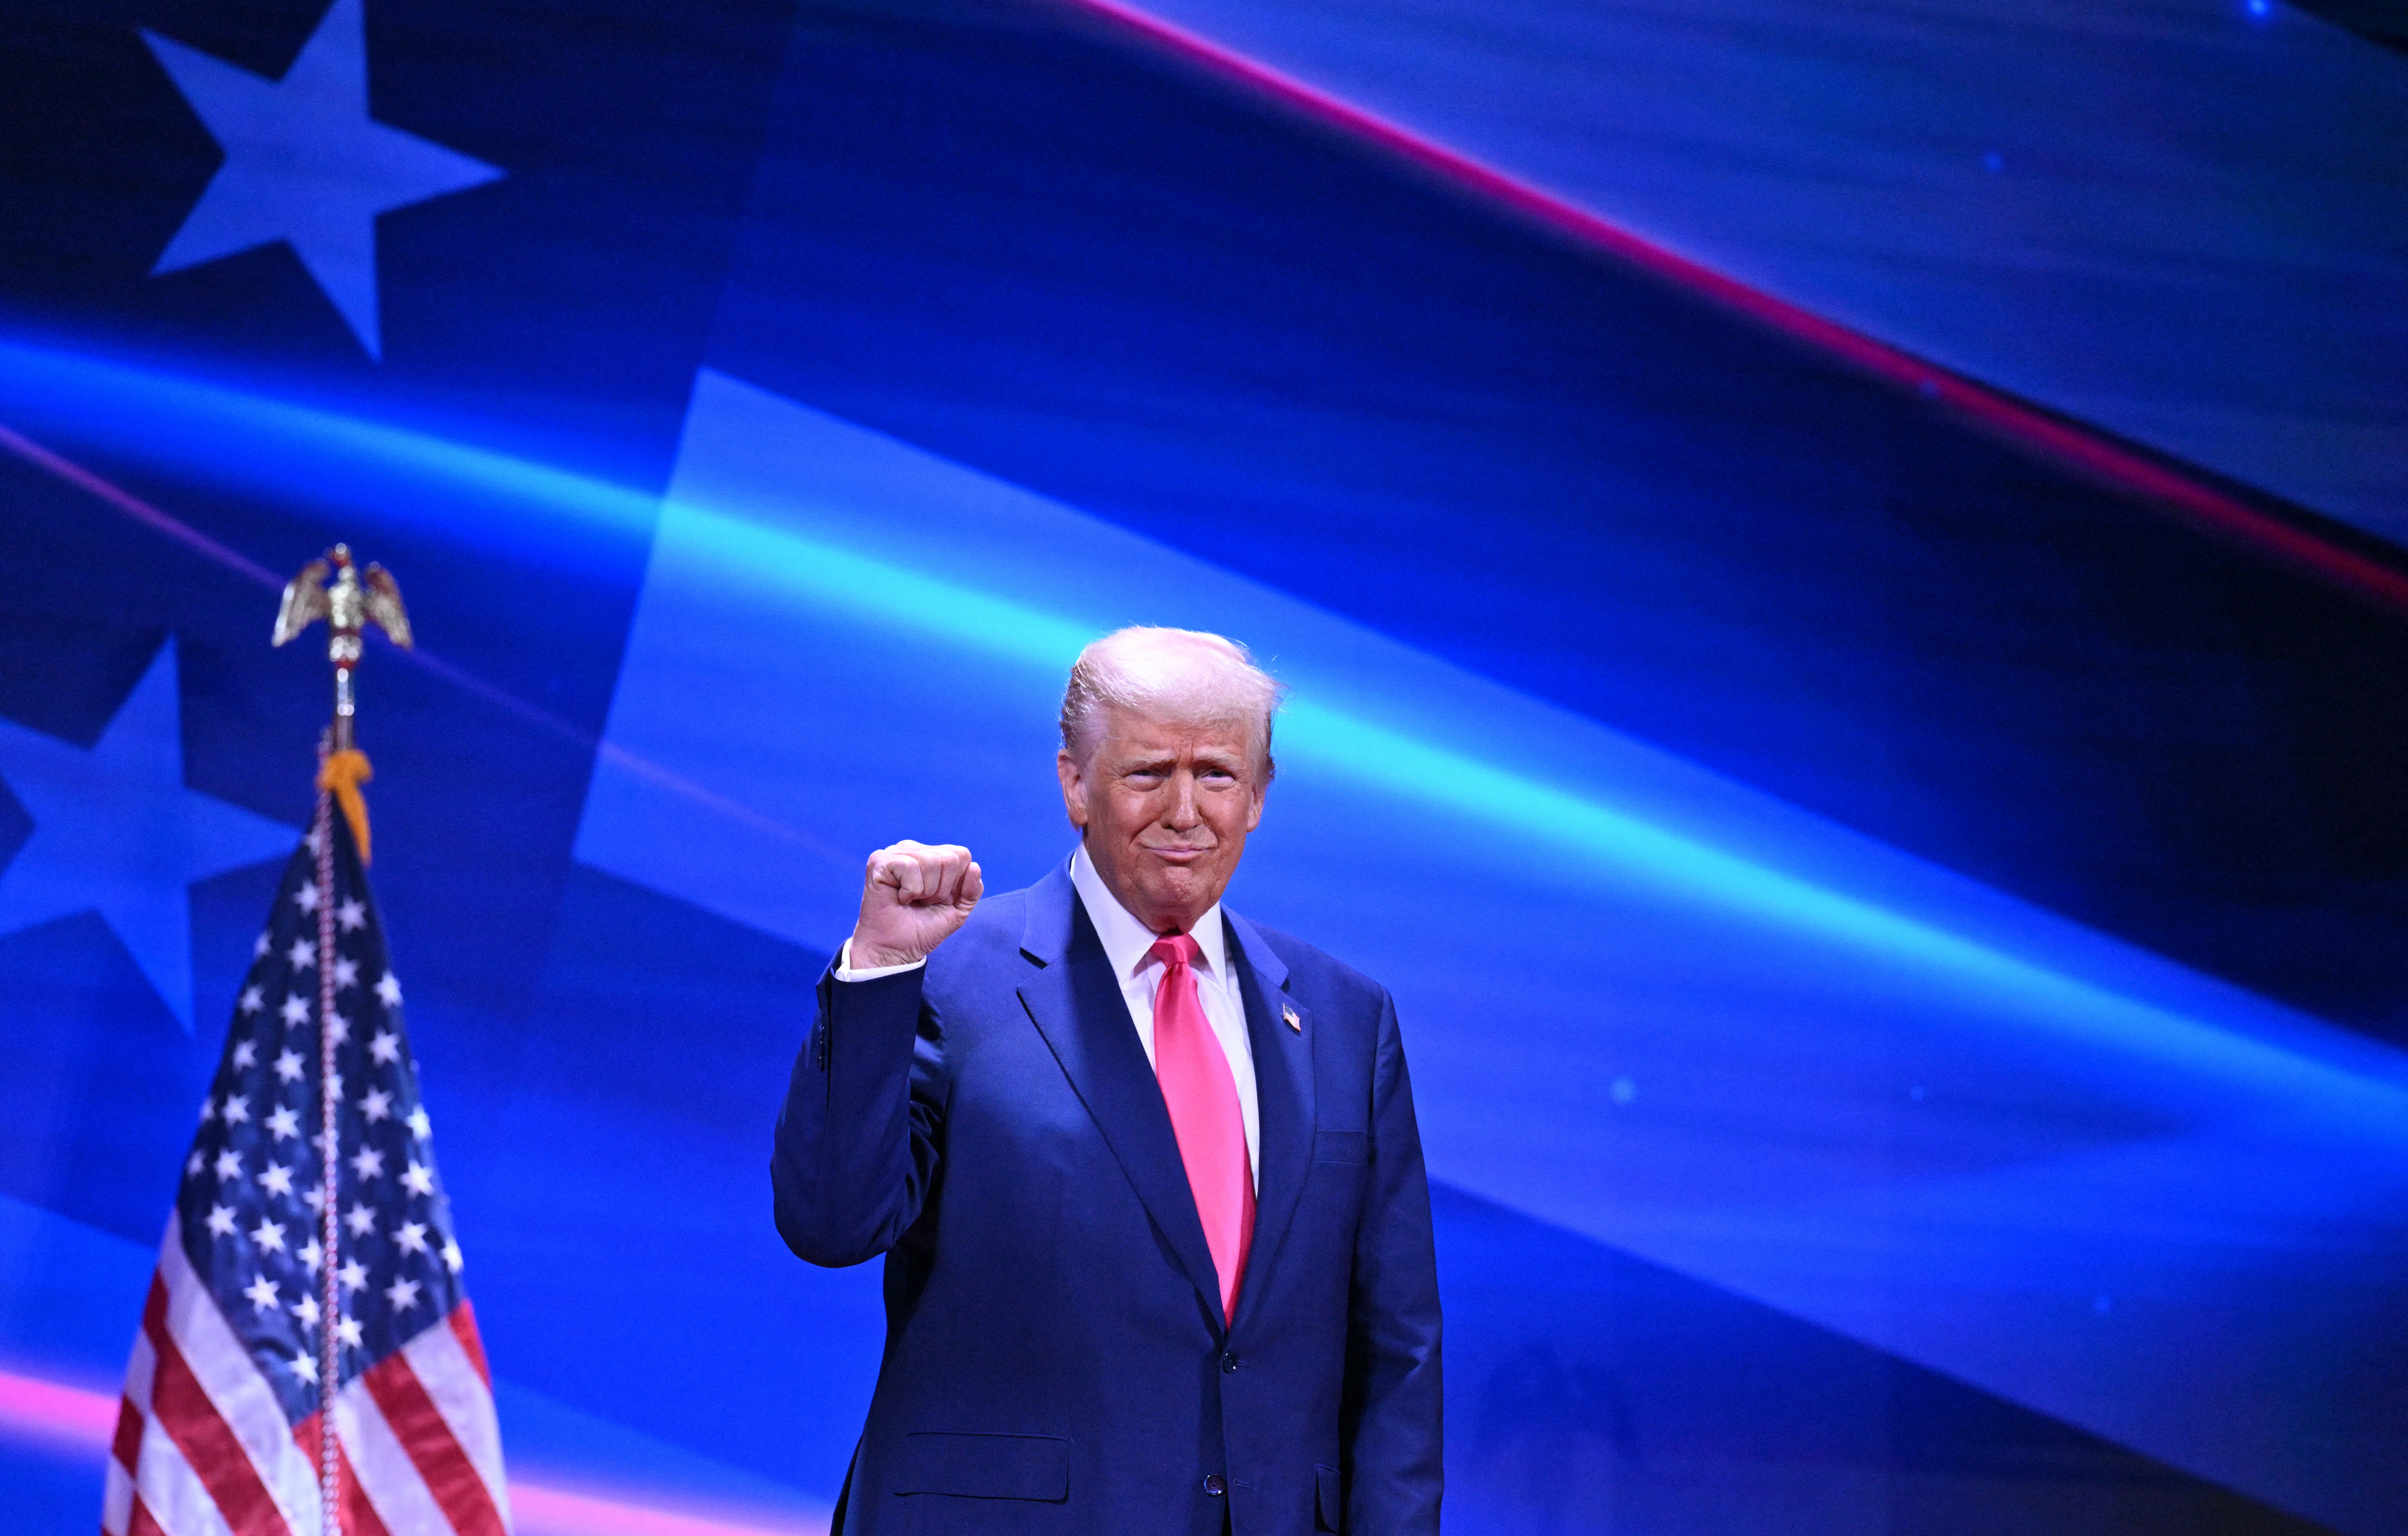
1074, 789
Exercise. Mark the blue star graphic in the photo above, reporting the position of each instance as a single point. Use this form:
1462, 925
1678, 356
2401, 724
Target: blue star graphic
116, 832
305, 164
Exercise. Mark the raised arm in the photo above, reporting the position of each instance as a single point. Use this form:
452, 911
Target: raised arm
1390, 1419
858, 1138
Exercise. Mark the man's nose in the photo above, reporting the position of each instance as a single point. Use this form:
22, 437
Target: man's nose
1183, 802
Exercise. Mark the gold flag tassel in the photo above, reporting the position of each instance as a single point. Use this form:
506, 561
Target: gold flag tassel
341, 774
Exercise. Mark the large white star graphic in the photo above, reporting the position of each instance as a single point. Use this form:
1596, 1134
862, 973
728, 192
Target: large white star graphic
116, 832
305, 164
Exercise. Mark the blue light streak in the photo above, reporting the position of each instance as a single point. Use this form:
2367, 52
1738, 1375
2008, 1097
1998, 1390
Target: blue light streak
388, 471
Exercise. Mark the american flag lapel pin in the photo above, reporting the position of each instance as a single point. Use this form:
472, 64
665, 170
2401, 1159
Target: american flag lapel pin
1293, 1022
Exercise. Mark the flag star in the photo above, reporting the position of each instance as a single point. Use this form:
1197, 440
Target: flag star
411, 1238
221, 1221
262, 1292
347, 972
302, 955
452, 1254
419, 1125
283, 1123
208, 1108
245, 1054
306, 165
193, 1164
306, 897
360, 1219
348, 1330
315, 841
277, 1180
389, 991
353, 1276
115, 832
288, 1066
420, 1180
402, 1294
312, 1256
305, 1368
229, 1165
340, 1027
352, 915
259, 946
370, 1162
237, 1111
269, 1235
296, 1011
306, 1310
385, 1047
315, 1201
252, 1000
377, 1105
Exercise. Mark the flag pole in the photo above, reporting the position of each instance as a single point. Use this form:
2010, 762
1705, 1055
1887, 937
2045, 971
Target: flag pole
348, 607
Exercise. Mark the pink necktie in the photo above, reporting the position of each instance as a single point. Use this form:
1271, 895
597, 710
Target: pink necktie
1202, 1094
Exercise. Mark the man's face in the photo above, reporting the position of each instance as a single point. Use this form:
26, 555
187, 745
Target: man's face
1164, 808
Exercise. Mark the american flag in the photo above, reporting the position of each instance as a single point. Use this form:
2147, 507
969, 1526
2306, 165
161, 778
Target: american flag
220, 1432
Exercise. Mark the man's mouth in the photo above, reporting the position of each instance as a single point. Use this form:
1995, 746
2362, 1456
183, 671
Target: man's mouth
1180, 855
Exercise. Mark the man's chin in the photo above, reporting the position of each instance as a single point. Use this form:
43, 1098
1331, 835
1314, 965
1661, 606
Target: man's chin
1187, 888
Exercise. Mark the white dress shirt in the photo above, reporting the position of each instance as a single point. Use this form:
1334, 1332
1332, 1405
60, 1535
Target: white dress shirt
1127, 942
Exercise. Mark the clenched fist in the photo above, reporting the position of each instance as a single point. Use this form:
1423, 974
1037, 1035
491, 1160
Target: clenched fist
912, 898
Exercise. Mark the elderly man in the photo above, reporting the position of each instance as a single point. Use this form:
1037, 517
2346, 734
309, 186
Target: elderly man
1146, 1175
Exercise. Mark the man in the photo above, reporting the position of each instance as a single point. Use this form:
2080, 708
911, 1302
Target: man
1146, 1174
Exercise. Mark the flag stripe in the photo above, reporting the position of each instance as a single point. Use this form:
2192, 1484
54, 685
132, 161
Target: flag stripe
457, 1388
391, 1479
448, 1474
118, 1496
359, 1516
463, 1325
174, 1499
127, 1443
182, 1407
140, 1524
117, 1492
241, 1395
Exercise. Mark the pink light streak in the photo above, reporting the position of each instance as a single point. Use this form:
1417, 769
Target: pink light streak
2081, 449
32, 1409
77, 1419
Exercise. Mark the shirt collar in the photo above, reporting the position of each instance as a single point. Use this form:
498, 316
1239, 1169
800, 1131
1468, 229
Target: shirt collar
1127, 939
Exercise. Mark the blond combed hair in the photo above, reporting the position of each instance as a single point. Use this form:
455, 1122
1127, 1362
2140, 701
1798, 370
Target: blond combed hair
1170, 674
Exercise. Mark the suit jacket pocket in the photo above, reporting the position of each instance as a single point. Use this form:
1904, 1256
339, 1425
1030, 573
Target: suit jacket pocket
986, 1466
1329, 1503
1339, 1146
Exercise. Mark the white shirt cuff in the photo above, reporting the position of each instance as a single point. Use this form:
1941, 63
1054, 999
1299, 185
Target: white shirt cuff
844, 971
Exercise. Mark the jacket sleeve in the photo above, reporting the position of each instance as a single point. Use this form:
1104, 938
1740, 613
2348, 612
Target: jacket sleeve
1390, 1414
861, 1130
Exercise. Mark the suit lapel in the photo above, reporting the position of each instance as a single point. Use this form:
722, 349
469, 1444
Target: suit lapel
1284, 1097
1075, 1001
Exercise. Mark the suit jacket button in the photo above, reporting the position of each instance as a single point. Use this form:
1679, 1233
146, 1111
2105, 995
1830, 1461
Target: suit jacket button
1215, 1486
1229, 1359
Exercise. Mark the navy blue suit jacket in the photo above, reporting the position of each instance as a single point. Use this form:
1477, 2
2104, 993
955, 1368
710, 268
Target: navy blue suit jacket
1057, 1361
